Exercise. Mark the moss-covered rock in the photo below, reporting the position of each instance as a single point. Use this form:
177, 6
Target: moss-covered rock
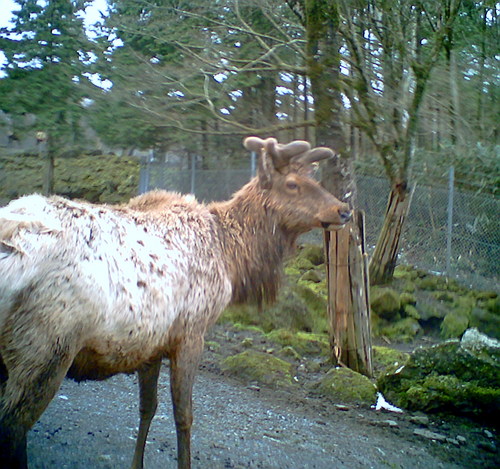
444, 296
311, 276
251, 365
404, 330
407, 298
493, 305
290, 352
304, 343
464, 305
406, 272
456, 376
314, 253
454, 325
298, 308
347, 386
300, 263
388, 360
410, 311
385, 302
432, 312
486, 322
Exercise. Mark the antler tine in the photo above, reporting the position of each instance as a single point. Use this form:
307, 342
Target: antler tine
253, 143
282, 154
298, 151
314, 155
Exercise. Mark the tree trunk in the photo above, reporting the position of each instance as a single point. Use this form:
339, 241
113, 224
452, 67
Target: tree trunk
47, 153
348, 300
348, 333
383, 261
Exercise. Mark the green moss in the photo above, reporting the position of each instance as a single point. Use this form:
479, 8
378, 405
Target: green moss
289, 351
251, 365
407, 298
101, 178
431, 311
388, 359
409, 287
464, 305
411, 312
314, 253
443, 296
453, 376
454, 325
385, 302
493, 305
291, 271
212, 345
311, 276
403, 330
406, 272
345, 385
485, 321
304, 343
431, 282
246, 327
315, 302
247, 315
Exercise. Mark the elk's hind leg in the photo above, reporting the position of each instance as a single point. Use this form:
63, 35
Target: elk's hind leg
184, 361
148, 390
34, 362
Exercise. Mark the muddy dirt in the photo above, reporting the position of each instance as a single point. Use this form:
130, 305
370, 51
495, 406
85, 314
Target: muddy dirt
247, 425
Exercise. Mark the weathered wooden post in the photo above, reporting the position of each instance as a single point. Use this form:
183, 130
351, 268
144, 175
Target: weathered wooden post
348, 296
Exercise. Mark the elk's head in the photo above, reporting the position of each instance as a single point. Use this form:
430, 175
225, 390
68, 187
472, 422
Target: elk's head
284, 175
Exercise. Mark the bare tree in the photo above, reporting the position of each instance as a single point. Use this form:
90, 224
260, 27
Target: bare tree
391, 50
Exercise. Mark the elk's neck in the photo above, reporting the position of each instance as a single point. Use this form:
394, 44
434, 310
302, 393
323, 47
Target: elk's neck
253, 245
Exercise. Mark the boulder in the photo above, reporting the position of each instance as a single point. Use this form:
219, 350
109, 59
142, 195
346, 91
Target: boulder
346, 386
314, 253
263, 368
455, 376
486, 321
404, 330
385, 302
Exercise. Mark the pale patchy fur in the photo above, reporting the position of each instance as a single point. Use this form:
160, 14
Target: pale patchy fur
133, 271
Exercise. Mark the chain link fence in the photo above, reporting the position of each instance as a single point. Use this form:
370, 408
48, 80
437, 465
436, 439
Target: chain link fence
447, 232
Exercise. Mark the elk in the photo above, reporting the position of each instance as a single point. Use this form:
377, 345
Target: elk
88, 291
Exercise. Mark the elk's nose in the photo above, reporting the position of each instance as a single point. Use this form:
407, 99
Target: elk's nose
345, 215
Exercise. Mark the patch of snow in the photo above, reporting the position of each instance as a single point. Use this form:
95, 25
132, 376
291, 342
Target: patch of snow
382, 404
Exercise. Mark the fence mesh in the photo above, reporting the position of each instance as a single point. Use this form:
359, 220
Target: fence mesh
474, 232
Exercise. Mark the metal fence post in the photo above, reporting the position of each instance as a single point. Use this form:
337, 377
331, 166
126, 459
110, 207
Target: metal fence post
451, 183
193, 173
252, 163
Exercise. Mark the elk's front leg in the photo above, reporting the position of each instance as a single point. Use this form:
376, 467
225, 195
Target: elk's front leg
184, 362
148, 390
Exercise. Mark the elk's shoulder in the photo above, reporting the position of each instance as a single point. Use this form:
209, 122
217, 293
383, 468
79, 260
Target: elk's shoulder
160, 200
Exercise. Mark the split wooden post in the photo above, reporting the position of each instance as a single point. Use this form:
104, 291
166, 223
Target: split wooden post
348, 296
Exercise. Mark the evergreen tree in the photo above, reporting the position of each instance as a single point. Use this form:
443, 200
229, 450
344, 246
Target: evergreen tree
48, 55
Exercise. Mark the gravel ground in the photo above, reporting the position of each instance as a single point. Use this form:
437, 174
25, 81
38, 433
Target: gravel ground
238, 425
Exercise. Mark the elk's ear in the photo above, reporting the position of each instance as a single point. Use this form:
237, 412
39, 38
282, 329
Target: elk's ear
265, 169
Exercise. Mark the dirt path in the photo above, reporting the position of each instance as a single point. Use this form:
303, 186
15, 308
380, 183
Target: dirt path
93, 425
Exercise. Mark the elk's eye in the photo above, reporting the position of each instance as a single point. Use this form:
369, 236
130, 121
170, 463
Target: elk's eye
292, 185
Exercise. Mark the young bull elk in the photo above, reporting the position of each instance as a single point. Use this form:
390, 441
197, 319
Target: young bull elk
88, 291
